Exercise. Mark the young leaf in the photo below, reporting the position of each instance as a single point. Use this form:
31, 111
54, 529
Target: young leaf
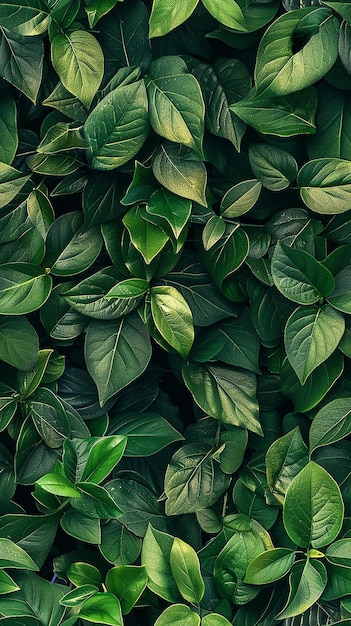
117, 352
185, 568
176, 107
299, 276
165, 16
313, 508
270, 566
332, 423
173, 210
78, 60
102, 608
103, 456
172, 317
58, 485
117, 127
127, 582
311, 335
307, 583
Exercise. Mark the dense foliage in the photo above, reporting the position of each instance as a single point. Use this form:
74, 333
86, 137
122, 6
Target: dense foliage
175, 312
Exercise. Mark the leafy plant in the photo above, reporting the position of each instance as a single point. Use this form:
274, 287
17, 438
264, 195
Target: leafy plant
175, 335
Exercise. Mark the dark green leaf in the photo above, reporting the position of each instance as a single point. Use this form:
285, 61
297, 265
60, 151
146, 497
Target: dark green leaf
24, 287
147, 433
332, 423
307, 582
19, 342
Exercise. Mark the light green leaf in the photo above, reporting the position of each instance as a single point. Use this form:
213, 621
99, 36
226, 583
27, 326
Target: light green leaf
116, 352
307, 583
178, 615
147, 238
155, 555
172, 317
78, 595
7, 584
103, 457
181, 172
61, 137
275, 168
269, 566
241, 198
278, 70
332, 423
225, 393
24, 287
102, 608
98, 8
78, 60
185, 568
117, 127
283, 116
11, 183
193, 480
213, 231
285, 458
127, 582
299, 276
325, 185
172, 211
59, 485
311, 335
227, 13
176, 106
313, 508
214, 619
165, 16
12, 555
129, 288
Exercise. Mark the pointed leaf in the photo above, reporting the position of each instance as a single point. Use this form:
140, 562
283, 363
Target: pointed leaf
117, 352
178, 615
285, 458
274, 167
180, 172
19, 342
103, 457
127, 582
332, 423
102, 608
172, 317
241, 198
227, 13
325, 185
12, 555
24, 287
165, 16
185, 568
307, 583
155, 556
269, 566
313, 508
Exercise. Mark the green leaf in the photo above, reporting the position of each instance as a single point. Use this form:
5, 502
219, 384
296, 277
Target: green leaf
78, 595
227, 254
138, 504
127, 582
307, 582
338, 582
78, 60
8, 408
118, 544
185, 568
275, 168
176, 107
103, 456
117, 352
172, 317
14, 556
181, 172
81, 527
269, 566
155, 556
283, 116
240, 199
171, 212
213, 231
165, 16
339, 552
299, 276
7, 584
61, 137
81, 573
278, 70
226, 393
147, 238
8, 127
58, 485
223, 82
102, 608
24, 287
49, 417
313, 508
214, 619
97, 9
146, 433
285, 458
332, 423
193, 480
23, 17
332, 120
325, 185
117, 127
37, 601
311, 335
178, 615
229, 14
11, 183
19, 343
95, 502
